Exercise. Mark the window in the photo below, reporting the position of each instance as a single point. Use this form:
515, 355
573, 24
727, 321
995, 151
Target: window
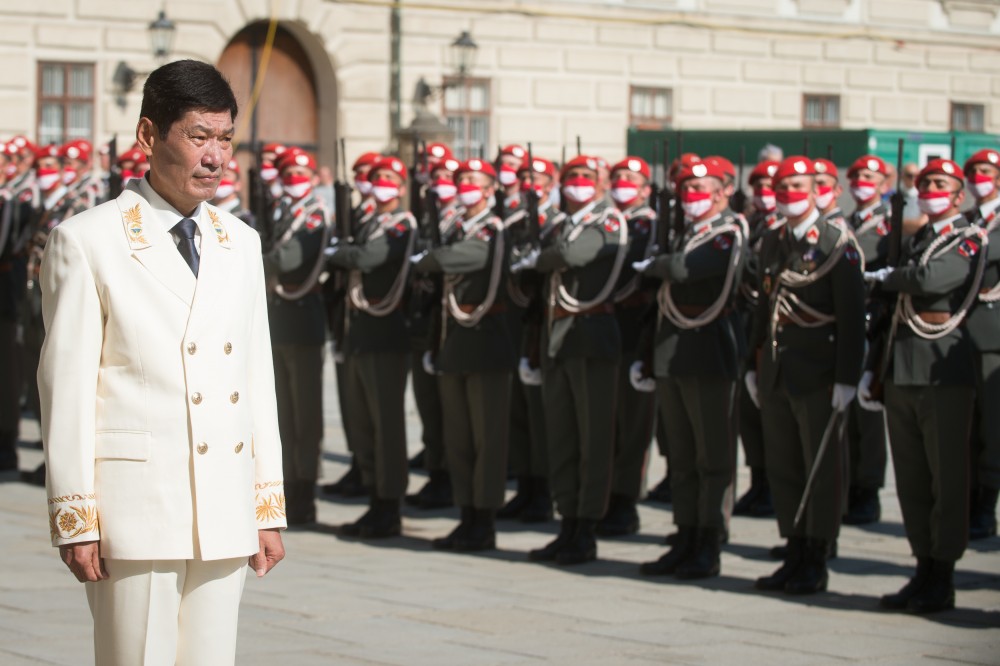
821, 111
967, 117
651, 108
65, 102
467, 112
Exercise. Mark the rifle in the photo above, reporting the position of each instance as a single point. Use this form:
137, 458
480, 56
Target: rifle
534, 315
419, 160
342, 198
531, 202
678, 208
665, 203
896, 220
114, 173
894, 259
738, 202
500, 194
654, 186
579, 150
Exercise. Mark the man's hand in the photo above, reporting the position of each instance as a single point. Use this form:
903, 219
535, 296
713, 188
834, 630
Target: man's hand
641, 266
271, 551
84, 560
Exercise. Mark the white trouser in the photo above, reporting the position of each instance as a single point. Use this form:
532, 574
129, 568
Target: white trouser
167, 612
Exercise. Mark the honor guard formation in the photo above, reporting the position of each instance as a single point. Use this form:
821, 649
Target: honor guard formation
554, 318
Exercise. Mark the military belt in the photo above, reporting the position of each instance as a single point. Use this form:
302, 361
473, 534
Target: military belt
936, 318
469, 308
691, 311
785, 320
604, 308
637, 299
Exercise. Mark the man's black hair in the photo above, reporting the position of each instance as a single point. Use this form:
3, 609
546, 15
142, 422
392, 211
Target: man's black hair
181, 86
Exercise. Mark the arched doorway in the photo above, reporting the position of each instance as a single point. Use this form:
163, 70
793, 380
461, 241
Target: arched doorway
297, 104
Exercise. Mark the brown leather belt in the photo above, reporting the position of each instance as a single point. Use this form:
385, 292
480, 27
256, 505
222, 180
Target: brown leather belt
496, 308
603, 308
936, 318
785, 320
637, 299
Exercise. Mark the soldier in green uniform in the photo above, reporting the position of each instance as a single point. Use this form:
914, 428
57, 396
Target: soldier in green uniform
865, 431
475, 357
293, 262
633, 296
582, 346
764, 217
809, 338
509, 195
527, 448
930, 384
983, 173
377, 348
699, 344
227, 195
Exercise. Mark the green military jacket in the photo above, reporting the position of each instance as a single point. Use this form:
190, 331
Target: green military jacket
807, 358
292, 254
939, 286
696, 279
584, 252
634, 294
983, 321
871, 227
474, 263
378, 265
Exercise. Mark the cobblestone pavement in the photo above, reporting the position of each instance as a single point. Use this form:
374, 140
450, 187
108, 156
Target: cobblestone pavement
335, 601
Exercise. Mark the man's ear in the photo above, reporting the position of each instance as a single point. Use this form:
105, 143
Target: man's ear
146, 135
959, 197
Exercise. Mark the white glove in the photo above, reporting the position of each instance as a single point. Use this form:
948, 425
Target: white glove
842, 396
641, 266
330, 250
640, 383
865, 393
529, 376
880, 275
415, 259
750, 380
428, 363
527, 261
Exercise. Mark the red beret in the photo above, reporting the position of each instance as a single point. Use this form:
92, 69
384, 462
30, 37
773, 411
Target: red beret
76, 150
985, 156
365, 159
438, 151
943, 167
514, 150
295, 157
825, 166
636, 164
449, 163
700, 170
796, 165
51, 150
476, 165
584, 161
539, 165
22, 145
724, 164
132, 155
870, 162
276, 148
233, 166
390, 163
765, 169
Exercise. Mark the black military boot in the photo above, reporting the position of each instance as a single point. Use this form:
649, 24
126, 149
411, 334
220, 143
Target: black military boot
756, 501
582, 546
938, 591
661, 492
811, 576
549, 552
349, 485
417, 461
778, 552
512, 509
704, 561
901, 599
683, 547
539, 506
385, 523
621, 518
481, 536
463, 527
436, 493
863, 506
793, 560
8, 450
983, 513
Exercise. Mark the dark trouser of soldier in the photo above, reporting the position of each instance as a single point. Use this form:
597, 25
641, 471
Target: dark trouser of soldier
350, 484
298, 383
866, 450
437, 492
634, 419
528, 456
579, 395
375, 385
793, 428
476, 411
10, 394
756, 501
702, 450
985, 456
928, 432
661, 491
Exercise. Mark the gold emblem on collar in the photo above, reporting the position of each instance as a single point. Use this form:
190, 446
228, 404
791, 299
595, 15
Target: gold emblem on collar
133, 224
220, 231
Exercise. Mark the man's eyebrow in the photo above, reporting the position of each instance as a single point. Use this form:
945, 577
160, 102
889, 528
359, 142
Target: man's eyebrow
202, 129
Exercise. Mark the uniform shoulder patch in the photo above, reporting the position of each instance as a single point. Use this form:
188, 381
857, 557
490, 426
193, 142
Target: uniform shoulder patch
314, 220
968, 248
852, 255
611, 225
722, 242
812, 236
398, 229
486, 233
883, 227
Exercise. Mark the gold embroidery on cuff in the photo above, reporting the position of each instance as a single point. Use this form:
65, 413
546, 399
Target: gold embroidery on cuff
268, 484
72, 498
73, 522
270, 507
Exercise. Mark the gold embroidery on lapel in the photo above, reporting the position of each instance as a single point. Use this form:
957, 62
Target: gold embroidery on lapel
133, 222
220, 231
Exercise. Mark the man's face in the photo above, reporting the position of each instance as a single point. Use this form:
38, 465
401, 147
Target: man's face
869, 176
187, 165
633, 177
937, 182
909, 178
511, 161
796, 184
543, 182
826, 180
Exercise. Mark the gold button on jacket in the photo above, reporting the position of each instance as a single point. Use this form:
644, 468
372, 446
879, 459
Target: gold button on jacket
196, 398
235, 397
239, 447
192, 348
228, 348
203, 448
